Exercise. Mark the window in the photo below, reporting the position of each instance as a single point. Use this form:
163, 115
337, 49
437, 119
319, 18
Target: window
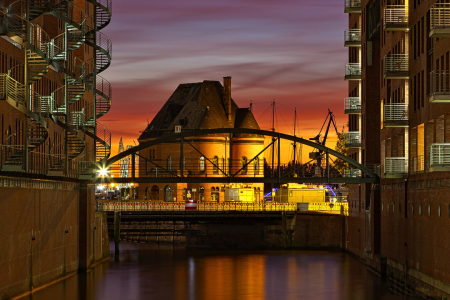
244, 165
202, 193
169, 163
412, 208
429, 209
420, 209
215, 164
256, 165
202, 164
439, 210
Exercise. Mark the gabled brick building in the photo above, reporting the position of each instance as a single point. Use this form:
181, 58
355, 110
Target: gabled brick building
203, 105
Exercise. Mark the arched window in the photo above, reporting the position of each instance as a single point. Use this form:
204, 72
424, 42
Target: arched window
256, 165
202, 164
215, 164
215, 194
244, 165
154, 193
202, 193
168, 194
169, 163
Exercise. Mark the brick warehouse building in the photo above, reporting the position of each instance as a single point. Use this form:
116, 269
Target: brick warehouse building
399, 118
203, 105
51, 97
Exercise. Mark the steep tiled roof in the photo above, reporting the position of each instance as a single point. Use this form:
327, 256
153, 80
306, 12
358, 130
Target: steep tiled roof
197, 106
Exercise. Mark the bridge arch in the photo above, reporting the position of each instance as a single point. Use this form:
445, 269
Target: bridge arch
369, 175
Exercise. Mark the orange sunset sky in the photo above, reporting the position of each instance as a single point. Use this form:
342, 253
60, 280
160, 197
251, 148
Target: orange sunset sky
289, 51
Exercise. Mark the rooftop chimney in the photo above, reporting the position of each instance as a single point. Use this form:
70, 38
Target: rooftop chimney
227, 96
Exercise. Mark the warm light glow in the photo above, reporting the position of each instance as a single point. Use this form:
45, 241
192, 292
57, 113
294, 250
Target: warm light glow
103, 172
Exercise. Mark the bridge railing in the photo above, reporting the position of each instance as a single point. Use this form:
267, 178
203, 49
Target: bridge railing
223, 206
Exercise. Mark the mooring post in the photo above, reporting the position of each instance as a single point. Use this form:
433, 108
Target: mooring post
116, 232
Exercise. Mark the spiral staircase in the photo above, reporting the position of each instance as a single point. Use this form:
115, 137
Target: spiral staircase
79, 75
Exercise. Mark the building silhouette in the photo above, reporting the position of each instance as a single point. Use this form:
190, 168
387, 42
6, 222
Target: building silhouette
398, 106
202, 105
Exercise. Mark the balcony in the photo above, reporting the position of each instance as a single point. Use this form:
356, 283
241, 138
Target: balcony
440, 20
352, 6
440, 157
439, 87
396, 18
352, 105
396, 115
396, 167
352, 139
352, 38
396, 66
352, 173
352, 71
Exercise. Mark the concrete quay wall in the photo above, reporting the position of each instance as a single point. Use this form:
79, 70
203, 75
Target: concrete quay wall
301, 231
40, 239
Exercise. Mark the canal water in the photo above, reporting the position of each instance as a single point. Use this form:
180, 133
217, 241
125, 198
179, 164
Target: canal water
150, 271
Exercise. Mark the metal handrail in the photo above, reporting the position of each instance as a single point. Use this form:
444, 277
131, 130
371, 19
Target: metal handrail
396, 14
396, 112
396, 63
352, 173
439, 15
352, 35
440, 155
396, 165
352, 3
352, 103
352, 69
439, 82
352, 137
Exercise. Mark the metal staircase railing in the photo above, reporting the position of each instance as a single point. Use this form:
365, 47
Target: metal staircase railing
43, 52
103, 9
33, 107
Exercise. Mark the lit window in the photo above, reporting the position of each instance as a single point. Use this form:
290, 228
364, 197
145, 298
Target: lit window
202, 164
244, 165
215, 164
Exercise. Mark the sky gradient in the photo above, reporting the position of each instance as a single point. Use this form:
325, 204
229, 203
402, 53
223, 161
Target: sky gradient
289, 51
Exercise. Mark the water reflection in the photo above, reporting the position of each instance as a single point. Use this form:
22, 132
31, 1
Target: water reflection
165, 272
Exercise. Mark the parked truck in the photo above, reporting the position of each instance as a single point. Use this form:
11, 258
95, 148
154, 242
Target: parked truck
300, 193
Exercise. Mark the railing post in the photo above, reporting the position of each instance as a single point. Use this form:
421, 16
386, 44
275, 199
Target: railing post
181, 156
279, 157
133, 165
230, 169
328, 165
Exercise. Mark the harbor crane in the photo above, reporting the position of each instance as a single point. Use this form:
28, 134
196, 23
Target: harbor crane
318, 155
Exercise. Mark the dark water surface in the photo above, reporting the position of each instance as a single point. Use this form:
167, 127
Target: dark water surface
146, 271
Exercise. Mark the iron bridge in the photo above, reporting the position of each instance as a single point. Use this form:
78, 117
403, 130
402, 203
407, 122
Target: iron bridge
328, 174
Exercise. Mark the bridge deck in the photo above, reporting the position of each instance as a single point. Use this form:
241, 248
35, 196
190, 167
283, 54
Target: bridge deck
223, 209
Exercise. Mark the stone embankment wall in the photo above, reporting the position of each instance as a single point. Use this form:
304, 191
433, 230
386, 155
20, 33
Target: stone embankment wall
300, 231
40, 237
